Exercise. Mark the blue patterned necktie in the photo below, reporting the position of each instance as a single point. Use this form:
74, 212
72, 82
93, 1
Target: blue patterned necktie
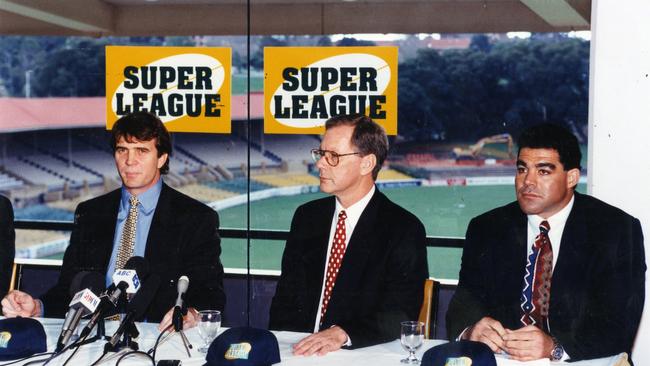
536, 295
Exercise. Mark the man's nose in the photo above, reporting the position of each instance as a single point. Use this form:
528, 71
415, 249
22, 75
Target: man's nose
130, 158
530, 179
321, 163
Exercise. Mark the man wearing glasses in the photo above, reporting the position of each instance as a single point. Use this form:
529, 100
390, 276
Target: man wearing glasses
355, 262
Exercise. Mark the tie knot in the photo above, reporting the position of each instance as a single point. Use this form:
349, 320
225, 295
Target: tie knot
133, 200
343, 215
544, 227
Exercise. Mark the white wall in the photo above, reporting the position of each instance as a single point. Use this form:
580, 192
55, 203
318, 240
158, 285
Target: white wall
619, 120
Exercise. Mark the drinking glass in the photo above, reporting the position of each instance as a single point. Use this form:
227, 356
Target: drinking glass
209, 323
412, 337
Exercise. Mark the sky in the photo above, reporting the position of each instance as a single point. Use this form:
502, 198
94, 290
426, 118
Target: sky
586, 35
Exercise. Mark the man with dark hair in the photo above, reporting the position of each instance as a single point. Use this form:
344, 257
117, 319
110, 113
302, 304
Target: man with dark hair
556, 274
7, 243
175, 233
355, 263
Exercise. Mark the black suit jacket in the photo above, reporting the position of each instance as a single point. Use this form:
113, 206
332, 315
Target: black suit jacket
597, 290
380, 282
7, 244
183, 240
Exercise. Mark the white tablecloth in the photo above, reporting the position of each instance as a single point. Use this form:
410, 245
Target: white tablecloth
388, 354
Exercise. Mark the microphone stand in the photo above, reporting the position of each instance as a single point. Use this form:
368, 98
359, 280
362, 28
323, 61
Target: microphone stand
130, 332
177, 321
100, 335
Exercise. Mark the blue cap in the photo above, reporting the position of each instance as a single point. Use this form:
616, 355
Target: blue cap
21, 337
459, 353
244, 346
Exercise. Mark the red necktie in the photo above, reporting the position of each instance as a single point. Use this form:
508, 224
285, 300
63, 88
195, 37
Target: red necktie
536, 299
334, 263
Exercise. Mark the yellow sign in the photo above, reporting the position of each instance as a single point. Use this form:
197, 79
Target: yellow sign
187, 87
305, 86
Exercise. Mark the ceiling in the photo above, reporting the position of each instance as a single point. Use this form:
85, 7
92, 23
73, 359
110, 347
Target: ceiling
229, 17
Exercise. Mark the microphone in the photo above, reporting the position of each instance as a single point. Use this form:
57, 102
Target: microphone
179, 308
128, 276
135, 269
138, 306
83, 302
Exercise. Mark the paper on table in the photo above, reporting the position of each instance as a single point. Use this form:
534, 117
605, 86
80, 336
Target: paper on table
504, 361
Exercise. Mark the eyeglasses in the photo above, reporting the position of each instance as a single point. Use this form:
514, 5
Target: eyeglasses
331, 157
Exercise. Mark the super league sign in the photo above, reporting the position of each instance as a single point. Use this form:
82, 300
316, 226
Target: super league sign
304, 86
187, 87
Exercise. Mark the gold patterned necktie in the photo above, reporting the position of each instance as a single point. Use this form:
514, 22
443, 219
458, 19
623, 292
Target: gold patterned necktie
127, 242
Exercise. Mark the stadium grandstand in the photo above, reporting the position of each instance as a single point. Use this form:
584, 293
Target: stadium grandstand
56, 155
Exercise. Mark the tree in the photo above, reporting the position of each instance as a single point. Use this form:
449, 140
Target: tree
78, 70
476, 92
350, 42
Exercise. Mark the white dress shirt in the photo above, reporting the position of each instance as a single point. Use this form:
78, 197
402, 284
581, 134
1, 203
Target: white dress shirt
556, 223
353, 214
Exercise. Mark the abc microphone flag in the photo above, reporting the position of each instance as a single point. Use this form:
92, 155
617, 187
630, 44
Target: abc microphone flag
130, 276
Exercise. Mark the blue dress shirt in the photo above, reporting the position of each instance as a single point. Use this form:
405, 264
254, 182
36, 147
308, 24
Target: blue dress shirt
146, 208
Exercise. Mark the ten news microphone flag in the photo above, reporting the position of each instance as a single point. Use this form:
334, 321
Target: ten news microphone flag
83, 302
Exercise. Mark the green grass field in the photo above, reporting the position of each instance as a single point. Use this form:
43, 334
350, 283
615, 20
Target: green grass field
445, 211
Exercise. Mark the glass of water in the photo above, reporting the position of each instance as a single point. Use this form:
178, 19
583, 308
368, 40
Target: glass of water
412, 337
209, 323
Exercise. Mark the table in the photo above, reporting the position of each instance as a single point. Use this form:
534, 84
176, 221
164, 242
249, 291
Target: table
386, 354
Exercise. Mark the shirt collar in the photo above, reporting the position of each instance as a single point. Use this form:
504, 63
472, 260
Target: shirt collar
355, 210
556, 221
148, 199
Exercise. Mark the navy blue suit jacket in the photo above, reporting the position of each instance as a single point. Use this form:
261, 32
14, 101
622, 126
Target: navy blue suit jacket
598, 284
183, 240
7, 243
380, 282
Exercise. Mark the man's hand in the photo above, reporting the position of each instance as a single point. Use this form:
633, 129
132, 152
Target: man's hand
528, 343
488, 331
17, 303
321, 343
190, 320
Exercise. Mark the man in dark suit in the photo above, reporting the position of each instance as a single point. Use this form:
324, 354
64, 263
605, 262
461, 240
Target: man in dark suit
592, 295
355, 263
7, 243
176, 234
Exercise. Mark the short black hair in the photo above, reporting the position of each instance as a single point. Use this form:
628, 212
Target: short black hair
368, 136
143, 126
552, 136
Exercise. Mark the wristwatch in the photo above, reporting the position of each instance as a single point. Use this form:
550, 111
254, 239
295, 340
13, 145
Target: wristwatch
558, 351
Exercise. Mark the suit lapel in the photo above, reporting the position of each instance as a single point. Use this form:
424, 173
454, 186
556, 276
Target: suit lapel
357, 254
104, 233
571, 260
316, 239
510, 264
162, 224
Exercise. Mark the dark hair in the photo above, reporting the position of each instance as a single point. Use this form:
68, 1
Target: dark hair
368, 136
143, 126
558, 138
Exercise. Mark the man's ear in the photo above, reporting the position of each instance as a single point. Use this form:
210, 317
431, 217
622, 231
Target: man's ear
162, 159
573, 177
368, 164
